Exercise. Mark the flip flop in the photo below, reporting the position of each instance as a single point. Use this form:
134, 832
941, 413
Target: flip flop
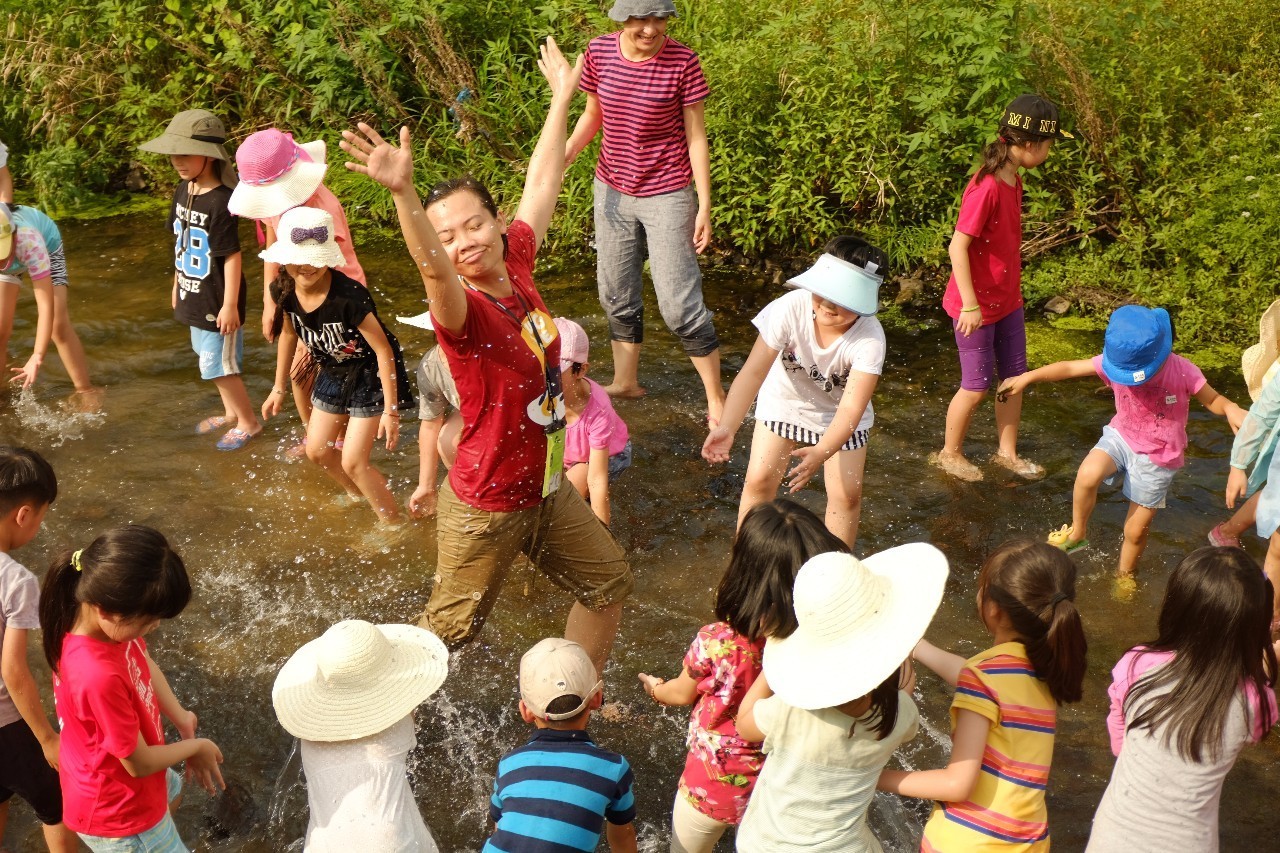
212, 424
1061, 538
235, 439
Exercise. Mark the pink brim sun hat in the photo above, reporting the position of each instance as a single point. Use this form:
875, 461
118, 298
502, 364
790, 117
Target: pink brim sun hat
276, 174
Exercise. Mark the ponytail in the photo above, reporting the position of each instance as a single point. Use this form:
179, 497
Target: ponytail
282, 286
1034, 584
128, 571
996, 153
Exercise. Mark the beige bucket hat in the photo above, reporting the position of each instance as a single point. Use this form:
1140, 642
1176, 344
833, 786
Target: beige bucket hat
199, 133
357, 679
1259, 359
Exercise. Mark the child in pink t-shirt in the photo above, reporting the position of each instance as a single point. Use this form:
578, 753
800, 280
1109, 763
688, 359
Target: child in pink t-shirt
1146, 439
597, 447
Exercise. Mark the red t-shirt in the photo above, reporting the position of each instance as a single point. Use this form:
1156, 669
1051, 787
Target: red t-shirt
104, 699
645, 151
991, 213
501, 388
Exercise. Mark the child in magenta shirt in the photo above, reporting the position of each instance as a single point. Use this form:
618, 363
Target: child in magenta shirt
1146, 439
597, 447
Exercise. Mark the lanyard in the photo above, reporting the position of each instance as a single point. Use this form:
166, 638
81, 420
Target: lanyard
552, 380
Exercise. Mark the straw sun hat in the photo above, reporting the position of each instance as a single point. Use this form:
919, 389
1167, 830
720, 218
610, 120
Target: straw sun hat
858, 621
1259, 359
357, 679
305, 236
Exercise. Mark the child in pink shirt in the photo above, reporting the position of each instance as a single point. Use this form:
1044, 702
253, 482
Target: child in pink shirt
597, 446
1145, 440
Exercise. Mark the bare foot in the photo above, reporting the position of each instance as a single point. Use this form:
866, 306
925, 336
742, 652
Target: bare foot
1020, 465
957, 466
629, 392
87, 401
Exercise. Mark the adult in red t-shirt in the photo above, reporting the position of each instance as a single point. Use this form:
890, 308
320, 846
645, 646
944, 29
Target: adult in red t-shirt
501, 497
652, 189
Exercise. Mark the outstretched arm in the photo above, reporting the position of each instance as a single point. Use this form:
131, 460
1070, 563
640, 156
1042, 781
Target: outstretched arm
1055, 372
745, 387
546, 167
1221, 406
955, 782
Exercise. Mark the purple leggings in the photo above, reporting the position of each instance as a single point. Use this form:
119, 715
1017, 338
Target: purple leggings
1001, 344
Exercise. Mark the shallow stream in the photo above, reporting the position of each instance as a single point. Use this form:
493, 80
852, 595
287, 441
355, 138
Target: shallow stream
275, 559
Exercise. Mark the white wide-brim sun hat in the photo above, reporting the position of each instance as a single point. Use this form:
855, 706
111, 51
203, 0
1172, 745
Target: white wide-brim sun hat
858, 622
305, 236
1259, 360
357, 679
850, 286
298, 183
421, 321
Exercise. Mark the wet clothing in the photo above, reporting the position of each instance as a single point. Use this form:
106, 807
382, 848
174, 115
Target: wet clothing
598, 427
436, 392
161, 838
37, 248
992, 350
1140, 809
554, 794
721, 768
19, 608
204, 233
1152, 416
991, 213
347, 379
324, 199
1006, 810
819, 779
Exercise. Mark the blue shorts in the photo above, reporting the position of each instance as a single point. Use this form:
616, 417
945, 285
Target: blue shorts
220, 355
161, 838
1145, 482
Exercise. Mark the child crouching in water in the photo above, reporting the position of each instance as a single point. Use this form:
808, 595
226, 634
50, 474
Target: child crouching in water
1004, 714
753, 601
361, 382
349, 697
96, 606
597, 447
814, 368
843, 703
1146, 439
1185, 704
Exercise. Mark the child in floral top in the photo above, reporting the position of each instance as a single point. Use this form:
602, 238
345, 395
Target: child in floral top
753, 601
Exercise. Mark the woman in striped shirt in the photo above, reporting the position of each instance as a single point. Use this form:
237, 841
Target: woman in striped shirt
652, 188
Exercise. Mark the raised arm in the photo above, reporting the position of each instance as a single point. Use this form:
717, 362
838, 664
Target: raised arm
546, 167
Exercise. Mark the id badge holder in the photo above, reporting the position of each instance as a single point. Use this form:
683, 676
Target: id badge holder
553, 472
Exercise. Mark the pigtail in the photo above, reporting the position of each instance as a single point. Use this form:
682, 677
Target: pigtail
1035, 585
58, 605
282, 286
996, 153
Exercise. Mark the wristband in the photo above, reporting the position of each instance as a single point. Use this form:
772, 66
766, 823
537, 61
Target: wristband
974, 308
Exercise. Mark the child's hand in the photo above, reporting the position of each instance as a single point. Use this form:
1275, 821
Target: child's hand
50, 749
271, 406
1009, 387
422, 503
267, 317
1237, 485
1235, 417
810, 461
389, 426
379, 159
203, 766
27, 373
718, 444
968, 322
228, 319
562, 76
650, 682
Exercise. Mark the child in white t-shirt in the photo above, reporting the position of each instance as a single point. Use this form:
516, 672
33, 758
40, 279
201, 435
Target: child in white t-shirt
814, 368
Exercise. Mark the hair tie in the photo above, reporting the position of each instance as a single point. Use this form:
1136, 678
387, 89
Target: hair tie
75, 561
1061, 596
1003, 139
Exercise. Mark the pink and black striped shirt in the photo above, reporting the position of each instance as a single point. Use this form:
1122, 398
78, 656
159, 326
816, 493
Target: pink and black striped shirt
645, 151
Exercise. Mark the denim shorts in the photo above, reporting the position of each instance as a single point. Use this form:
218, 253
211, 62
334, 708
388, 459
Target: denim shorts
620, 461
1145, 482
364, 400
661, 226
220, 355
1000, 346
161, 838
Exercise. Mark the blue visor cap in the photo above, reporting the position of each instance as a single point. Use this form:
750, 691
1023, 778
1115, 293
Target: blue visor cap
1137, 344
852, 287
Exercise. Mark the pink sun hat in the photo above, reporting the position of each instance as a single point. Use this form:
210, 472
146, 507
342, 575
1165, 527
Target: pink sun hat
276, 174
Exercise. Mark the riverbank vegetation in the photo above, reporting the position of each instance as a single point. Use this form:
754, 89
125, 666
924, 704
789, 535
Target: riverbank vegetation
825, 115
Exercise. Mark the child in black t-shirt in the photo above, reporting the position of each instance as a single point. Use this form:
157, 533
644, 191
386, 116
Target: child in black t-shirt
361, 383
208, 282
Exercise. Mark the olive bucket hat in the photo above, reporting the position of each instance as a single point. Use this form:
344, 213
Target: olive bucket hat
197, 133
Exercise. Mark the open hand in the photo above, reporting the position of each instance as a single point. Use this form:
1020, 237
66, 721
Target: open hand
389, 428
379, 159
718, 444
968, 322
203, 767
810, 461
561, 76
28, 372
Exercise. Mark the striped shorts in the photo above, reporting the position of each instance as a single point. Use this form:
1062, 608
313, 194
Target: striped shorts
800, 435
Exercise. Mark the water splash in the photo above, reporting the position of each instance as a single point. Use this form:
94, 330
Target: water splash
54, 426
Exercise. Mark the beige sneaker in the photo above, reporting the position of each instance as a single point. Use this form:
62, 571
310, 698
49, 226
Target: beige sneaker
957, 466
1023, 467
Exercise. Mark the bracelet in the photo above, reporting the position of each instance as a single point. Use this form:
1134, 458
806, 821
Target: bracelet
276, 391
653, 691
391, 413
974, 308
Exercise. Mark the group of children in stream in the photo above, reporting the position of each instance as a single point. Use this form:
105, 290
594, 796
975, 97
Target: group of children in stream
801, 686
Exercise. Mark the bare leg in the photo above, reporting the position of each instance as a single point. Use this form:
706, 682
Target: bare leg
302, 391
1095, 468
843, 475
322, 432
959, 414
1008, 417
708, 367
1136, 525
235, 399
1271, 565
769, 457
70, 350
626, 371
8, 308
594, 630
1244, 518
59, 839
358, 444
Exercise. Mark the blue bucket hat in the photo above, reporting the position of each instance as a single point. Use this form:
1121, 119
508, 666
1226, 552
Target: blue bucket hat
1137, 343
850, 286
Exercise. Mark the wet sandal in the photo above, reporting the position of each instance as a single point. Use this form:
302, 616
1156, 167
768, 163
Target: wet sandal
212, 424
1061, 538
235, 439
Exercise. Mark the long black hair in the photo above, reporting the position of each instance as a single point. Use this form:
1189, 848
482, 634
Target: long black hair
1034, 585
996, 153
1216, 619
128, 571
882, 716
773, 542
280, 287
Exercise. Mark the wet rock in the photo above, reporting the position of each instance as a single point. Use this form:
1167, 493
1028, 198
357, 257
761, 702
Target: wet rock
135, 180
778, 276
1057, 305
909, 289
